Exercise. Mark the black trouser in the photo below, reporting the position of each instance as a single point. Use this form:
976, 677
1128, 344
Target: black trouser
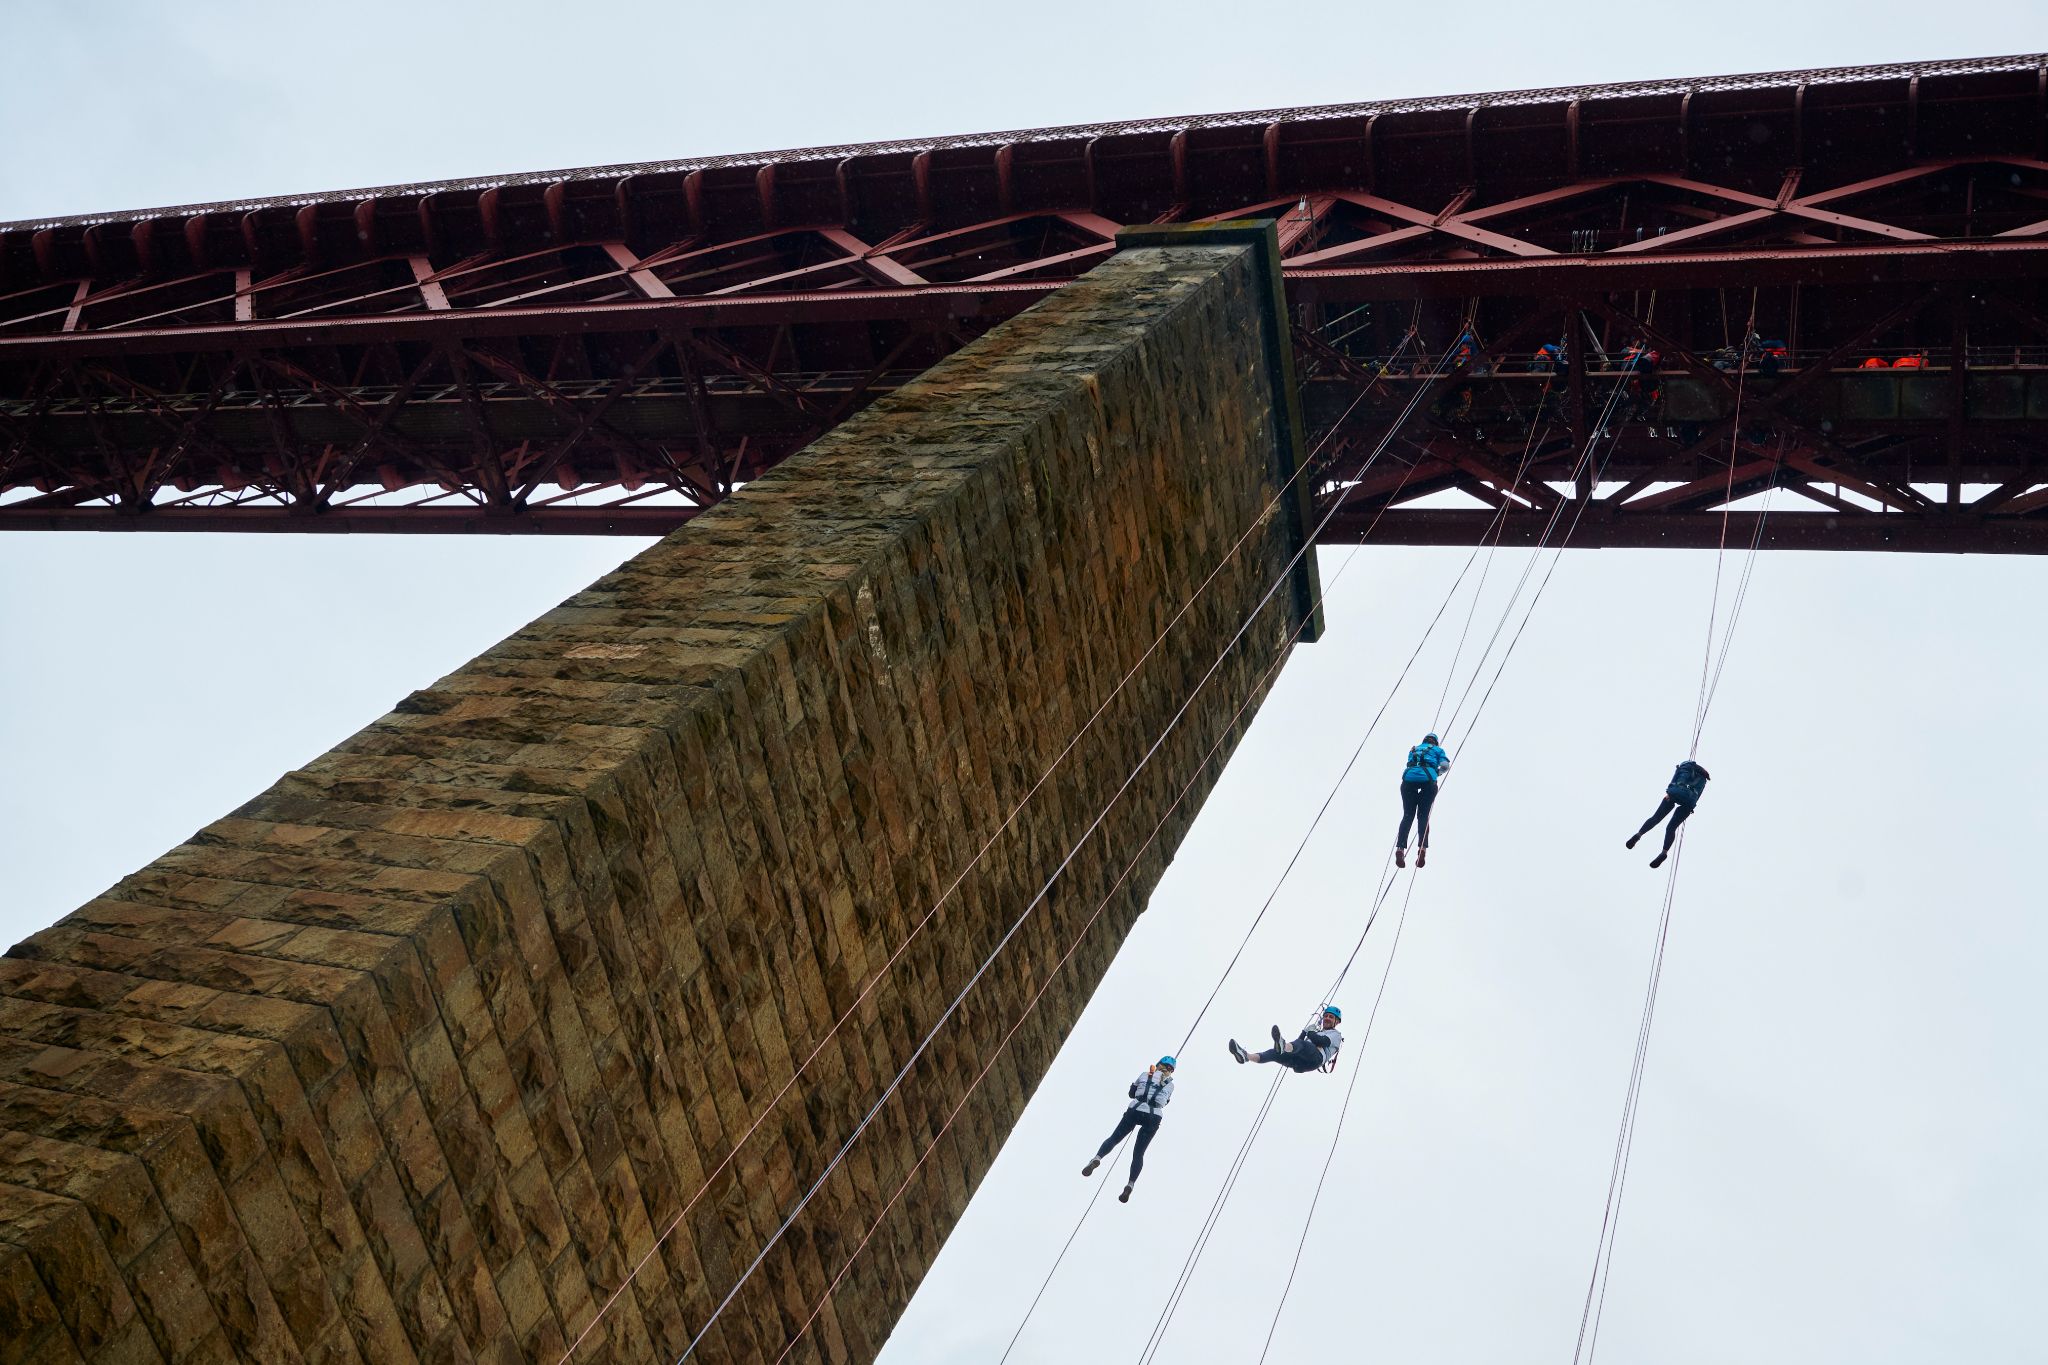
1678, 811
1294, 1059
1146, 1124
1416, 798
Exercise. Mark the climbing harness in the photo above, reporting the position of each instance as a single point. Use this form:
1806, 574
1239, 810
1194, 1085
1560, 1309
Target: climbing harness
1280, 580
1592, 1311
1157, 1339
1017, 924
1255, 691
1401, 922
1343, 1110
1584, 457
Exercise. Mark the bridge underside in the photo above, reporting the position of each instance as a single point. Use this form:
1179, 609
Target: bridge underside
615, 350
530, 1014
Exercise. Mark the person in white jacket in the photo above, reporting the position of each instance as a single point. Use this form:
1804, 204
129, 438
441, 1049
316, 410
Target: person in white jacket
1148, 1095
1314, 1050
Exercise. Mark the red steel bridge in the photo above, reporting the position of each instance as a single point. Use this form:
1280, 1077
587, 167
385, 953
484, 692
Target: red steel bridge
613, 348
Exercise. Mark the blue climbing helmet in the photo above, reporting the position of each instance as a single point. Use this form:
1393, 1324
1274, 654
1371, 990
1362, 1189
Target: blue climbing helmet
1168, 1063
1334, 1013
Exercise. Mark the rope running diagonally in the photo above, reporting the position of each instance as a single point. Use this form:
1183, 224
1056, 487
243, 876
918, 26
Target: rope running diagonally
1492, 535
1617, 1184
1721, 549
1624, 1138
1492, 542
996, 1053
1256, 690
1071, 1236
1267, 904
1628, 1145
1496, 526
1741, 595
1343, 1111
1158, 1338
1112, 1161
1584, 457
960, 877
1030, 1005
782, 1229
1557, 554
1210, 1219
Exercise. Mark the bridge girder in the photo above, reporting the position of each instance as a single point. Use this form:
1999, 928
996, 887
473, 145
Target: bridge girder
614, 349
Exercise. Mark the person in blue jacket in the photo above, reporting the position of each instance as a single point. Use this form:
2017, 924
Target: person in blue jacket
1148, 1095
1427, 762
1681, 795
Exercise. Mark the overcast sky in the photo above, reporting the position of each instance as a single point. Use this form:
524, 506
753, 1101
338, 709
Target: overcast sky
1844, 1115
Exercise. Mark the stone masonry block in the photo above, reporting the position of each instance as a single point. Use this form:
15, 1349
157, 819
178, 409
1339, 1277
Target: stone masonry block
525, 1018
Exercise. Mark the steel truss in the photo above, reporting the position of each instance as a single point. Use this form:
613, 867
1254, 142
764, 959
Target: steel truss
613, 350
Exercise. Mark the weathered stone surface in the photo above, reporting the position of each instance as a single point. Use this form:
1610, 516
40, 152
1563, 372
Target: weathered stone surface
418, 1055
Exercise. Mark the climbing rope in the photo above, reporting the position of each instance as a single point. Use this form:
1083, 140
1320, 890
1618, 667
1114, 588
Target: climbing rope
874, 981
1257, 919
1592, 1312
1343, 1110
1585, 455
1741, 595
1491, 540
1111, 1162
1624, 1138
1721, 549
1172, 1306
1394, 948
1711, 667
1209, 1221
1254, 692
1281, 579
1579, 506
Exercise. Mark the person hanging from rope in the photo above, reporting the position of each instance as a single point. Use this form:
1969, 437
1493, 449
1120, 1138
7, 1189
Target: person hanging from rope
1148, 1095
1687, 785
1314, 1049
1427, 762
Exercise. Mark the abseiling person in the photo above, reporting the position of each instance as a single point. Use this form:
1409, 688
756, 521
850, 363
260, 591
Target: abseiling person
1149, 1095
1427, 762
1681, 795
1314, 1050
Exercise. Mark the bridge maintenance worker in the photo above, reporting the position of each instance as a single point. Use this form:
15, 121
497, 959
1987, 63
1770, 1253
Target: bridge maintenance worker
1683, 793
1315, 1049
1427, 762
1148, 1095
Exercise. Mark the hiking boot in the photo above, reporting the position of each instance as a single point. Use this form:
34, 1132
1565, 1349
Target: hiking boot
1238, 1052
1658, 861
1278, 1041
1093, 1162
1632, 839
1422, 857
1401, 857
1125, 1197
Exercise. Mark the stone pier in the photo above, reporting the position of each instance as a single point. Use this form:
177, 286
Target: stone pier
415, 1056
